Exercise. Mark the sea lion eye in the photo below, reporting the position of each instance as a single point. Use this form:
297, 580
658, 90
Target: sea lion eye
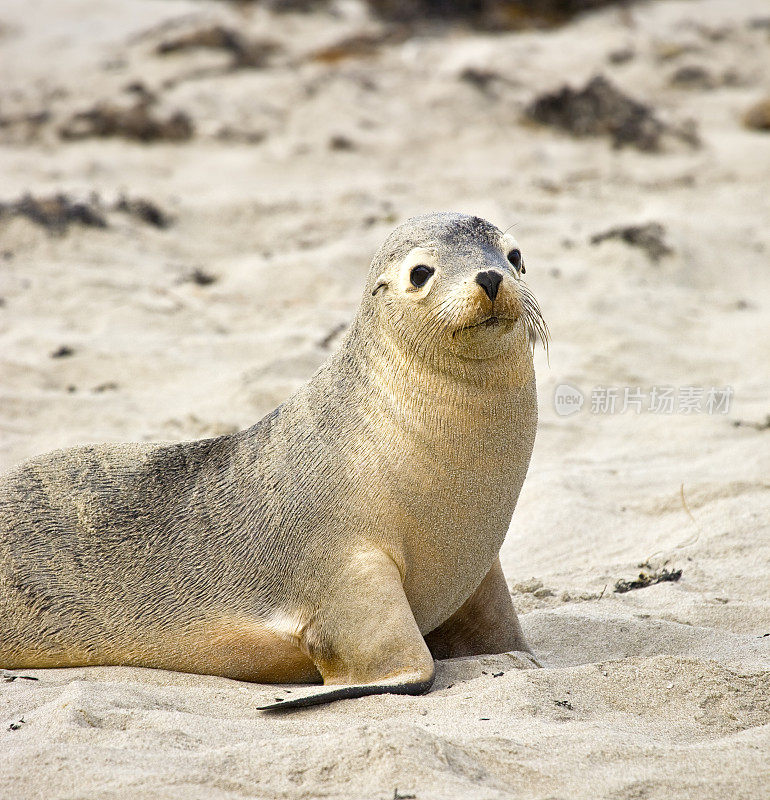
515, 258
420, 274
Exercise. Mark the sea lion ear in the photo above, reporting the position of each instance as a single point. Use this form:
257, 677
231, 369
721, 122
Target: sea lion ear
380, 284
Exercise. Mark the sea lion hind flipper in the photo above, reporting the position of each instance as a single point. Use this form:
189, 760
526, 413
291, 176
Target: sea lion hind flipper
412, 687
485, 623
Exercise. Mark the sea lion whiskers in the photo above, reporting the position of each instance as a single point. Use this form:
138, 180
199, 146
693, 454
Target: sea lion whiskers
433, 325
537, 328
428, 328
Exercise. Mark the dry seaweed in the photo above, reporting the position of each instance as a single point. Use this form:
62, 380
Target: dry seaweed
144, 210
649, 237
692, 76
763, 425
58, 212
600, 109
648, 577
621, 56
24, 127
482, 14
55, 213
302, 6
484, 80
136, 122
341, 142
487, 14
246, 53
199, 277
757, 118
360, 45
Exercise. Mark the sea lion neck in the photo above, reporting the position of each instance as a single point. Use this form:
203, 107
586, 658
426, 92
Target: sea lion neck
432, 390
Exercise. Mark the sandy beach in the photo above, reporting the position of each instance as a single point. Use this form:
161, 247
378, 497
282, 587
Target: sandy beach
186, 221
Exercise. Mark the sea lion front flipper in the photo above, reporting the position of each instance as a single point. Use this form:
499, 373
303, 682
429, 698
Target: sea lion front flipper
485, 623
399, 684
365, 639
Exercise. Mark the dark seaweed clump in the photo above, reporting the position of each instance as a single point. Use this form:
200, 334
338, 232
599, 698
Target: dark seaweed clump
145, 210
483, 14
137, 122
55, 213
648, 578
649, 237
245, 52
600, 109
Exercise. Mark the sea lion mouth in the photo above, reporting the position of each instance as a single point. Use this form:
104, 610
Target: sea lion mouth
489, 322
492, 321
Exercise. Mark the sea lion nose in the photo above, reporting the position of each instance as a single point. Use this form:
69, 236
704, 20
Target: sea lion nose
489, 281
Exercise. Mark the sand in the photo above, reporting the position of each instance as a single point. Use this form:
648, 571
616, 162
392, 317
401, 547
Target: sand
293, 175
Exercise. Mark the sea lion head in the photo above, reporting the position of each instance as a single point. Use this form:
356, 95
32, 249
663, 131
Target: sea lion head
449, 286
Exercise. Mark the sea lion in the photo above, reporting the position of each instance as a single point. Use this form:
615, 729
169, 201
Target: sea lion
349, 536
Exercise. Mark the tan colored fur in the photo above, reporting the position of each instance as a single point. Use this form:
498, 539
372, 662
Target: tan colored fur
327, 540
